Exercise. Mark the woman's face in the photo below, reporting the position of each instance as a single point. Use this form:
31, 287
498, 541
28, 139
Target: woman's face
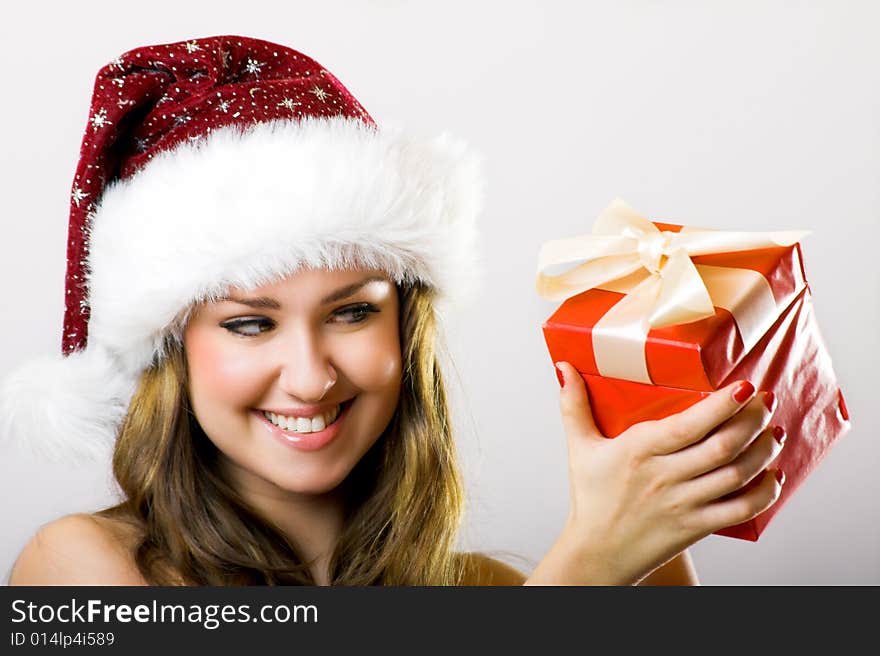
296, 348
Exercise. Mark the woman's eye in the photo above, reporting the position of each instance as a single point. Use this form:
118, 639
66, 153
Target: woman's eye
358, 312
248, 327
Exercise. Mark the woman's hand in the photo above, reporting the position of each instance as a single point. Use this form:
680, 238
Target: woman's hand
641, 498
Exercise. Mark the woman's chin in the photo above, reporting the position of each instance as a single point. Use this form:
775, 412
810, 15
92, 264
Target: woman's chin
317, 485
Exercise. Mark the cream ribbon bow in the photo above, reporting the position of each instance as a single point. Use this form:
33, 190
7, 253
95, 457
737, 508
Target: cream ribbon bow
627, 253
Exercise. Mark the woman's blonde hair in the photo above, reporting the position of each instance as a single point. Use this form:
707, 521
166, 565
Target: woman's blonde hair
404, 497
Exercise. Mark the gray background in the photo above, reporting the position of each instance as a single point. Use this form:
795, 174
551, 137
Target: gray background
737, 115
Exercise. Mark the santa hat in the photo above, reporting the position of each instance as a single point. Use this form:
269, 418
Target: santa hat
227, 161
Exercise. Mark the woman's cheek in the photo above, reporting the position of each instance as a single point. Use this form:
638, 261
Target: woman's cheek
373, 363
222, 373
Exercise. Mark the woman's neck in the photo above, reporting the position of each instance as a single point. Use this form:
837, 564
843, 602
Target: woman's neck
312, 522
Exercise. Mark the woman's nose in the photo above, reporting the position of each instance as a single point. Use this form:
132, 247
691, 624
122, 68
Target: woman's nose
306, 372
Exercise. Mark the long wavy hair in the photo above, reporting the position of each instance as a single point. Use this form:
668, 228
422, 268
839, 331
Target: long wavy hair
404, 498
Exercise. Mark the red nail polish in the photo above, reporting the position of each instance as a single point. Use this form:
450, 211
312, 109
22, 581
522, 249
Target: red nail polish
743, 392
779, 434
780, 476
769, 399
842, 405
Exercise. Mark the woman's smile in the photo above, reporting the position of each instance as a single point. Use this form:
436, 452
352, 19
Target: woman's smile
292, 432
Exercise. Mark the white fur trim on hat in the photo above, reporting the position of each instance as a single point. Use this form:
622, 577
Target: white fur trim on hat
65, 407
245, 209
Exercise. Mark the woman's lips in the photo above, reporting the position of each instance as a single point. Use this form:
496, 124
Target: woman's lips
307, 441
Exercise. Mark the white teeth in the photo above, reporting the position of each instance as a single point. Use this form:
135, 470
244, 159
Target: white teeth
318, 423
303, 424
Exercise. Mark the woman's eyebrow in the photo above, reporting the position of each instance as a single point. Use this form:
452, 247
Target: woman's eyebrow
261, 302
265, 302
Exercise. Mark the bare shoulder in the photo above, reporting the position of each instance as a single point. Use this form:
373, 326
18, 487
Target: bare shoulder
78, 549
482, 569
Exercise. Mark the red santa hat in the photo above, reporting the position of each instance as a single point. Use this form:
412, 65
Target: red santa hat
227, 161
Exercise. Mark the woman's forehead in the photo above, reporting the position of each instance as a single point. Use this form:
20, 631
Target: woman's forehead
311, 283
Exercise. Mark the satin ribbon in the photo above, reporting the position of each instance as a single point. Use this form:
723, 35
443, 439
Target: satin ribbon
629, 254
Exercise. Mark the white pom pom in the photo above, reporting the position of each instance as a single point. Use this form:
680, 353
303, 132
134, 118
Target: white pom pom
65, 408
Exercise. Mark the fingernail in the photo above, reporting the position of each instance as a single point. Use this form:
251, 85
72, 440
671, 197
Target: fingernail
743, 392
842, 405
769, 400
560, 375
779, 434
780, 476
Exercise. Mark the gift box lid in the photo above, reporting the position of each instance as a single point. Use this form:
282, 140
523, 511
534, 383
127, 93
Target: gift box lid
749, 290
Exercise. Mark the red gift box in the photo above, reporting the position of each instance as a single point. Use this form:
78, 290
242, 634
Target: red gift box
685, 362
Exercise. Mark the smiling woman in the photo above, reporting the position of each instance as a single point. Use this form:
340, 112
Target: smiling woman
217, 494
260, 387
257, 334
